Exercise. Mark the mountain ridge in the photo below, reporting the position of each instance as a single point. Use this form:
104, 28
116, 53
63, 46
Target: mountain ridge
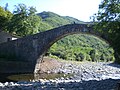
54, 20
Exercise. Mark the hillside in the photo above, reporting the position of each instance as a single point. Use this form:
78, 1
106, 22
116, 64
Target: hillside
78, 47
57, 20
51, 20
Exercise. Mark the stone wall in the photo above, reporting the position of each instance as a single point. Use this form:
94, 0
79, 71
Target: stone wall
16, 67
5, 37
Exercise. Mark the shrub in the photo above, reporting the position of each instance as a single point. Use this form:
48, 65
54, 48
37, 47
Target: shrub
80, 57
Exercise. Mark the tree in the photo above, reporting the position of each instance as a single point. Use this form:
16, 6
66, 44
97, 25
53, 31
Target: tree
25, 21
108, 22
93, 55
5, 17
80, 57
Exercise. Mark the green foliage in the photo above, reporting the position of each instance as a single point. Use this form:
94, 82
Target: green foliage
5, 17
52, 20
44, 26
80, 57
108, 22
94, 55
25, 21
82, 47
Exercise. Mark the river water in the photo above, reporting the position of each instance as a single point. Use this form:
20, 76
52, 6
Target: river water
30, 77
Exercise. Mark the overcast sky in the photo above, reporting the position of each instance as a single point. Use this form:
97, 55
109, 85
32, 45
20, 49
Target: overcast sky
80, 9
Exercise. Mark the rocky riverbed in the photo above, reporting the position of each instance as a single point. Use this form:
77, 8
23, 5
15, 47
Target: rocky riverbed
86, 76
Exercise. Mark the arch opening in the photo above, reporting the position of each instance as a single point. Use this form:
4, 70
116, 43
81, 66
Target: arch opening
52, 36
81, 47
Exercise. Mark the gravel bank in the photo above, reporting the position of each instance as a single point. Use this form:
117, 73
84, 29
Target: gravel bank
87, 76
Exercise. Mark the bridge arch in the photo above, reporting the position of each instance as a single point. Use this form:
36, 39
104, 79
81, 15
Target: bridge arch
59, 38
32, 48
61, 32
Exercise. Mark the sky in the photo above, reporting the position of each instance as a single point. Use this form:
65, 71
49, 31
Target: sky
80, 9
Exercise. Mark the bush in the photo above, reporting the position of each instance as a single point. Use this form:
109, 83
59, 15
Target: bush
88, 58
80, 57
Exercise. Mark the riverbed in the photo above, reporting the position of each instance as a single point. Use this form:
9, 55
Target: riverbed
86, 76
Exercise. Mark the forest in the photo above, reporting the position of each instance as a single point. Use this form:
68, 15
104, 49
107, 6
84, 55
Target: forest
82, 47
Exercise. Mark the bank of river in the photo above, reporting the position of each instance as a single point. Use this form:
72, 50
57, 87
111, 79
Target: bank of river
87, 76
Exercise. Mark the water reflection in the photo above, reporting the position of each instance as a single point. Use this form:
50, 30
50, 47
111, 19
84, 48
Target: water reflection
30, 77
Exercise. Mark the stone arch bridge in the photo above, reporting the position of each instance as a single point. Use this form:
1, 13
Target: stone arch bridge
29, 50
